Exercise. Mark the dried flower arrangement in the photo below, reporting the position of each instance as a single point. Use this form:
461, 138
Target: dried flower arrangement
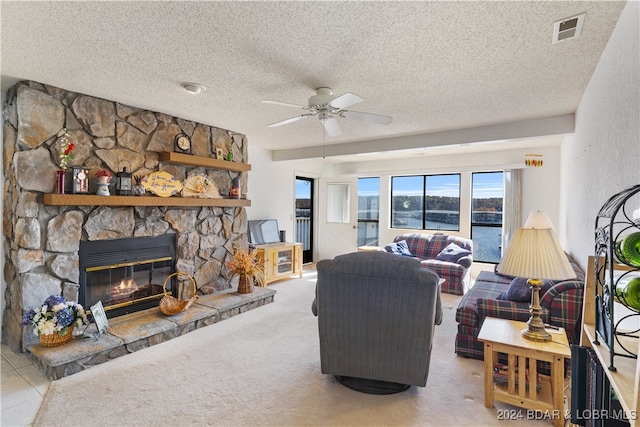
245, 263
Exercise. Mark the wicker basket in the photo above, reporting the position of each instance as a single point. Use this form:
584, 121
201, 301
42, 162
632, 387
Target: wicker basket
171, 305
245, 285
55, 339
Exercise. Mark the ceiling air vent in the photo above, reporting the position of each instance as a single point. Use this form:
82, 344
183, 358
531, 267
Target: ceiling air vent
567, 29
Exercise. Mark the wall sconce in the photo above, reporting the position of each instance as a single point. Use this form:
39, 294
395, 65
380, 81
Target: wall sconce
533, 160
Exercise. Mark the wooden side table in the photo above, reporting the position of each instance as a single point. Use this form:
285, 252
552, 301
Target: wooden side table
504, 336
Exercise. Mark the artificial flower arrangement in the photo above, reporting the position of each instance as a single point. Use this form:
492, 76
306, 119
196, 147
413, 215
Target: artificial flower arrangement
246, 264
104, 173
55, 316
66, 148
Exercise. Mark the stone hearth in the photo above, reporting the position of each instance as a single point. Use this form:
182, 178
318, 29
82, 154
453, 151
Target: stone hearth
133, 332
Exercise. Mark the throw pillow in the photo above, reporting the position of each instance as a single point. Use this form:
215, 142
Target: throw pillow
400, 248
452, 253
519, 291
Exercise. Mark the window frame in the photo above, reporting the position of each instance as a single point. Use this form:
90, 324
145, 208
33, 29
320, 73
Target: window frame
423, 201
472, 223
366, 221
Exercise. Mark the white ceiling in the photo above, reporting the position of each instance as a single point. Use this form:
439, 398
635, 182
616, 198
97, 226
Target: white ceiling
438, 68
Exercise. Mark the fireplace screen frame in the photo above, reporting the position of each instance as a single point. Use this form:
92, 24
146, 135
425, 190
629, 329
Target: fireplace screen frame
125, 254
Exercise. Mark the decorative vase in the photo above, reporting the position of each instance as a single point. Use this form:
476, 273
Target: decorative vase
138, 189
60, 180
245, 285
103, 186
55, 339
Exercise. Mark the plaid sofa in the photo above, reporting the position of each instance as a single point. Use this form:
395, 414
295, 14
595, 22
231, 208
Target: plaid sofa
427, 246
561, 303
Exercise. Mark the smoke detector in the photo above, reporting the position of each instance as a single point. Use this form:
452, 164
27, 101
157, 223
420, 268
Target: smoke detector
567, 29
193, 88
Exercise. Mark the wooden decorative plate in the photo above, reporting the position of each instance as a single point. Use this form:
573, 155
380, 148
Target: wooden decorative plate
161, 184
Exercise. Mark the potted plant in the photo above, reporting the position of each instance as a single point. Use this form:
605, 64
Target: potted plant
245, 264
54, 320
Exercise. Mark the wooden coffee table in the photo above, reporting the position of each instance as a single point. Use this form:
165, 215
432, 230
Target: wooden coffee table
504, 336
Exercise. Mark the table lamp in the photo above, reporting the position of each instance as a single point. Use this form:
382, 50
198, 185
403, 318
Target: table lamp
534, 253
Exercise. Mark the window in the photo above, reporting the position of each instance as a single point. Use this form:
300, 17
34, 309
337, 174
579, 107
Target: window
442, 202
487, 194
426, 202
406, 201
338, 203
368, 211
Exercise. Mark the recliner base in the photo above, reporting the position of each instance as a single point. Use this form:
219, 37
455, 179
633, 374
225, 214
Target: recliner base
371, 386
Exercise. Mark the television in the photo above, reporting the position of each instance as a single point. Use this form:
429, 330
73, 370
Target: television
263, 231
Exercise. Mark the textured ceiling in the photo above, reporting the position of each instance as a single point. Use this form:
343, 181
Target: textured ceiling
432, 66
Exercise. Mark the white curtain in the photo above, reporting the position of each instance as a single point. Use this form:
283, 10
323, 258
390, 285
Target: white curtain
512, 211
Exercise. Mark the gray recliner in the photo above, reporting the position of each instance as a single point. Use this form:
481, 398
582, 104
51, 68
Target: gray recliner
376, 318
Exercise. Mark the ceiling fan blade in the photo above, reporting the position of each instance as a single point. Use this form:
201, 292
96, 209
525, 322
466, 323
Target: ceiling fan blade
286, 104
331, 126
290, 120
366, 117
345, 100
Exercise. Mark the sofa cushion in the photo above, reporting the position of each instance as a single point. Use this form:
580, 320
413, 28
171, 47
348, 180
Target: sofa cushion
467, 311
519, 290
452, 253
398, 248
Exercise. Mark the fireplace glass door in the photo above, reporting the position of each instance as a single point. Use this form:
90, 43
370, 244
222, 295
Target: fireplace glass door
120, 285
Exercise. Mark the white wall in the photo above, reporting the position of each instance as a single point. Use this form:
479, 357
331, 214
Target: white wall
271, 186
603, 156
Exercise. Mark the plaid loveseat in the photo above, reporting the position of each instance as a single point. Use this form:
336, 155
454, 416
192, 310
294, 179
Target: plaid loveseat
426, 247
561, 303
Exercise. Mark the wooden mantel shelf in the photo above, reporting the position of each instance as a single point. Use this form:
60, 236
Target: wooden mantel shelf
94, 200
208, 162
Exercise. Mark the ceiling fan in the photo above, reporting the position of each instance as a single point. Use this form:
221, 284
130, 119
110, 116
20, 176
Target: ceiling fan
327, 108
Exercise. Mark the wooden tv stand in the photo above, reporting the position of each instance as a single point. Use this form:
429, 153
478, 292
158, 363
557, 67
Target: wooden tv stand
280, 260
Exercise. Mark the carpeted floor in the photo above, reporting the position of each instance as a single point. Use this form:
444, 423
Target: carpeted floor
262, 368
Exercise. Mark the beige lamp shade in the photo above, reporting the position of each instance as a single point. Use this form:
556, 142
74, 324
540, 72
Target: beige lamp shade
534, 252
538, 219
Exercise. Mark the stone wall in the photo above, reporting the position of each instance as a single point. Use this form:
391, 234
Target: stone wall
41, 242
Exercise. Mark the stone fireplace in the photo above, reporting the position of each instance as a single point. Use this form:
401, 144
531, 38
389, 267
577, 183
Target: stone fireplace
43, 242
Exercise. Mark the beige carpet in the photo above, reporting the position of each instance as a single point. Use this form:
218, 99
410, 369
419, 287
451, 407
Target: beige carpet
262, 368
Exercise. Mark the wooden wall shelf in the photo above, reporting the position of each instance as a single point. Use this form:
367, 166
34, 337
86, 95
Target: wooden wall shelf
208, 162
94, 200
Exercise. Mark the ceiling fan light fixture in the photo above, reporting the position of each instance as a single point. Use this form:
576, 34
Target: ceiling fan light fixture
193, 88
327, 108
